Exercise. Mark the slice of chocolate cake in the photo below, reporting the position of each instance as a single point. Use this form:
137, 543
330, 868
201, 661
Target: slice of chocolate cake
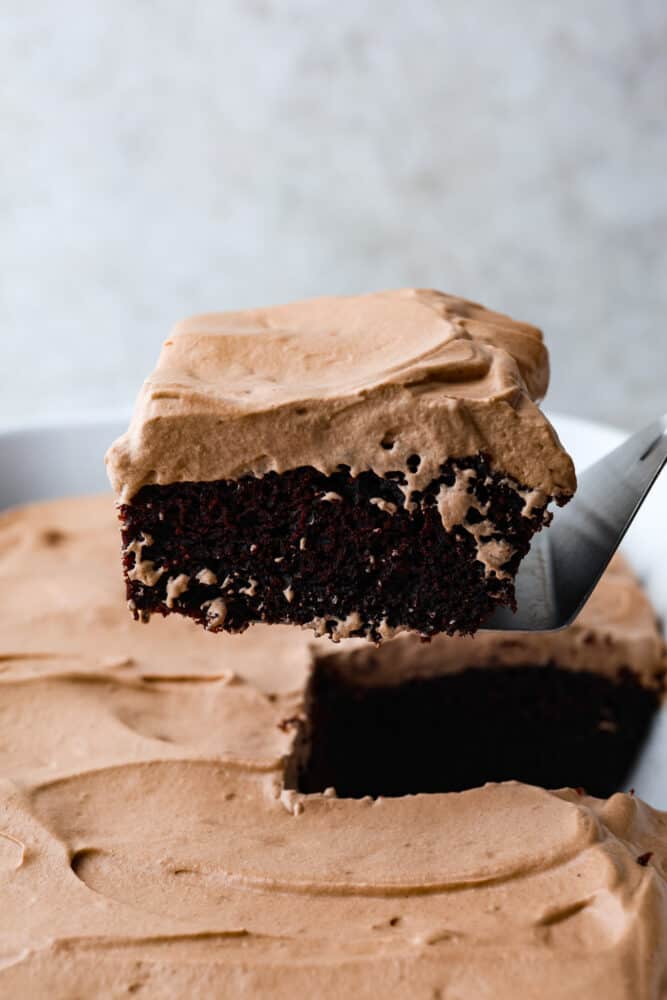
361, 466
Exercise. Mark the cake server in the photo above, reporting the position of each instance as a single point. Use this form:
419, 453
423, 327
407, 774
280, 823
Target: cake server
565, 562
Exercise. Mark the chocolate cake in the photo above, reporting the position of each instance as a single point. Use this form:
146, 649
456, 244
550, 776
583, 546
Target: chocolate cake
570, 708
150, 843
361, 466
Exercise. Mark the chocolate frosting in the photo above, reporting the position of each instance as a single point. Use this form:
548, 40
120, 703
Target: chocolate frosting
363, 381
147, 844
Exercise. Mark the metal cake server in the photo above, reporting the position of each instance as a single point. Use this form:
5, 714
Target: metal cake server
567, 559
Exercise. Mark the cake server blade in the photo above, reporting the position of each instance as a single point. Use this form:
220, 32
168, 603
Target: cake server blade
567, 559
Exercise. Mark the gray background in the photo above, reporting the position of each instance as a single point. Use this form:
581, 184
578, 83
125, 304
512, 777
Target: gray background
159, 159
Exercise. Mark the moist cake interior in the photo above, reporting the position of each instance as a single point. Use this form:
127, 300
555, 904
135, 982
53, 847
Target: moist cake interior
542, 725
339, 553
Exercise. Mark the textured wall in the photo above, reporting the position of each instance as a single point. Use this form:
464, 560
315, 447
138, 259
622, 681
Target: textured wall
165, 158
